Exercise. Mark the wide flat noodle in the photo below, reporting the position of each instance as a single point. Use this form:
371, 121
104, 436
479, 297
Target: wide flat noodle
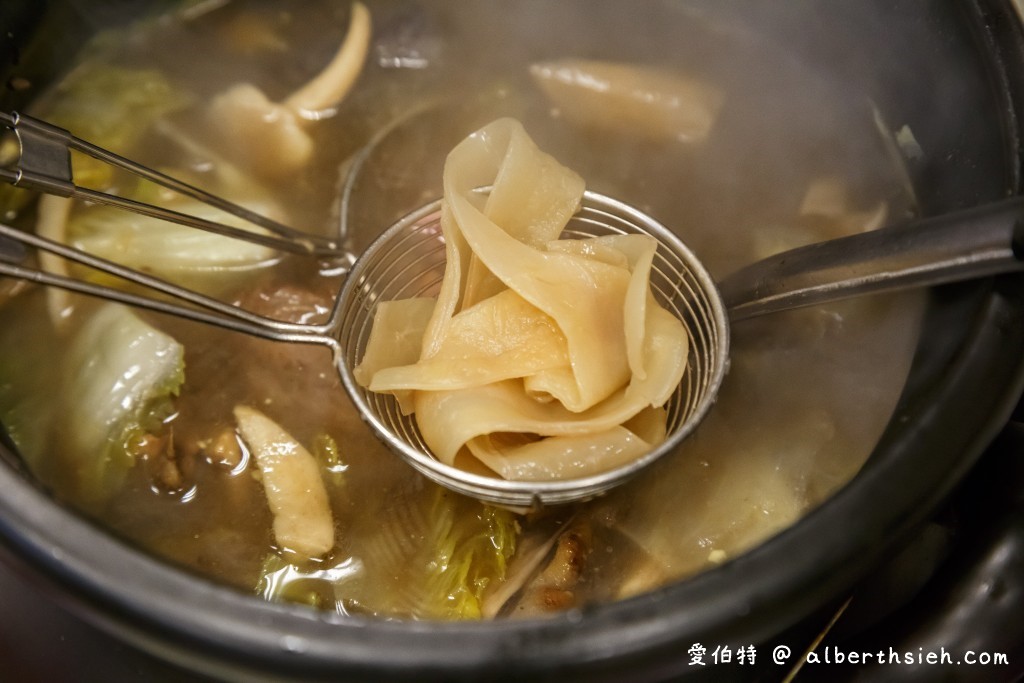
502, 337
395, 340
560, 457
515, 456
543, 358
449, 419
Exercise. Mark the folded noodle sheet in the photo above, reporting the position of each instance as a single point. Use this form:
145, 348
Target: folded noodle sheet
543, 358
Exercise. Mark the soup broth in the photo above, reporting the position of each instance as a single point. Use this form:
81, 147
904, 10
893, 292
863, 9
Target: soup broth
790, 158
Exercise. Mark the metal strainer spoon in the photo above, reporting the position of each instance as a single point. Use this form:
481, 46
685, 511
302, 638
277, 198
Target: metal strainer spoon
408, 260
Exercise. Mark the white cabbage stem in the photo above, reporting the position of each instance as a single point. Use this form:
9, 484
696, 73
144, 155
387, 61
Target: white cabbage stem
52, 223
291, 479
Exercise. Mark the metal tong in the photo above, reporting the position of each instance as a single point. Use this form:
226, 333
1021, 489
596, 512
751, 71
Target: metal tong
44, 164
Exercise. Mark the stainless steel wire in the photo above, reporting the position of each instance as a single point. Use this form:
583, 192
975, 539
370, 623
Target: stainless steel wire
409, 259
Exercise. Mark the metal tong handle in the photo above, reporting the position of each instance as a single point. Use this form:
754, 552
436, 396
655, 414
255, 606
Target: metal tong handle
979, 242
204, 309
44, 164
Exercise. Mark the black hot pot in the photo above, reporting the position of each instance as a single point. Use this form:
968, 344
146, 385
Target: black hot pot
952, 69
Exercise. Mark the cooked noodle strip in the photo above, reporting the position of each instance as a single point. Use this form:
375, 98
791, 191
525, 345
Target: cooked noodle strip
543, 358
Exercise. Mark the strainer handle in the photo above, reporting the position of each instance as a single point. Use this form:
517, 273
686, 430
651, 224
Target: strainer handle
979, 242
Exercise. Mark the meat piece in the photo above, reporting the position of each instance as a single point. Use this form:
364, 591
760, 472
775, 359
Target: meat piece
168, 467
555, 588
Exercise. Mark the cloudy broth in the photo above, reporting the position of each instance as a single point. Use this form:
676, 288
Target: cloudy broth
807, 396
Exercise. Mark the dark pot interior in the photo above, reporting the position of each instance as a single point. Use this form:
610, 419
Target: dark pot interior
954, 71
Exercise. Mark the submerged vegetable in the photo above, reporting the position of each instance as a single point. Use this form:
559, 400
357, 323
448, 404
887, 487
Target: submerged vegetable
175, 251
826, 211
52, 223
113, 107
270, 137
108, 105
436, 556
630, 98
321, 587
291, 479
470, 546
121, 376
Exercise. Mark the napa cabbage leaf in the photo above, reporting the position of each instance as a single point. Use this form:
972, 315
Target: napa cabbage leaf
177, 252
470, 547
111, 106
121, 377
76, 407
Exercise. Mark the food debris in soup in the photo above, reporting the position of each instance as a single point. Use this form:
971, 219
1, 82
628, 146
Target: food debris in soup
243, 460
